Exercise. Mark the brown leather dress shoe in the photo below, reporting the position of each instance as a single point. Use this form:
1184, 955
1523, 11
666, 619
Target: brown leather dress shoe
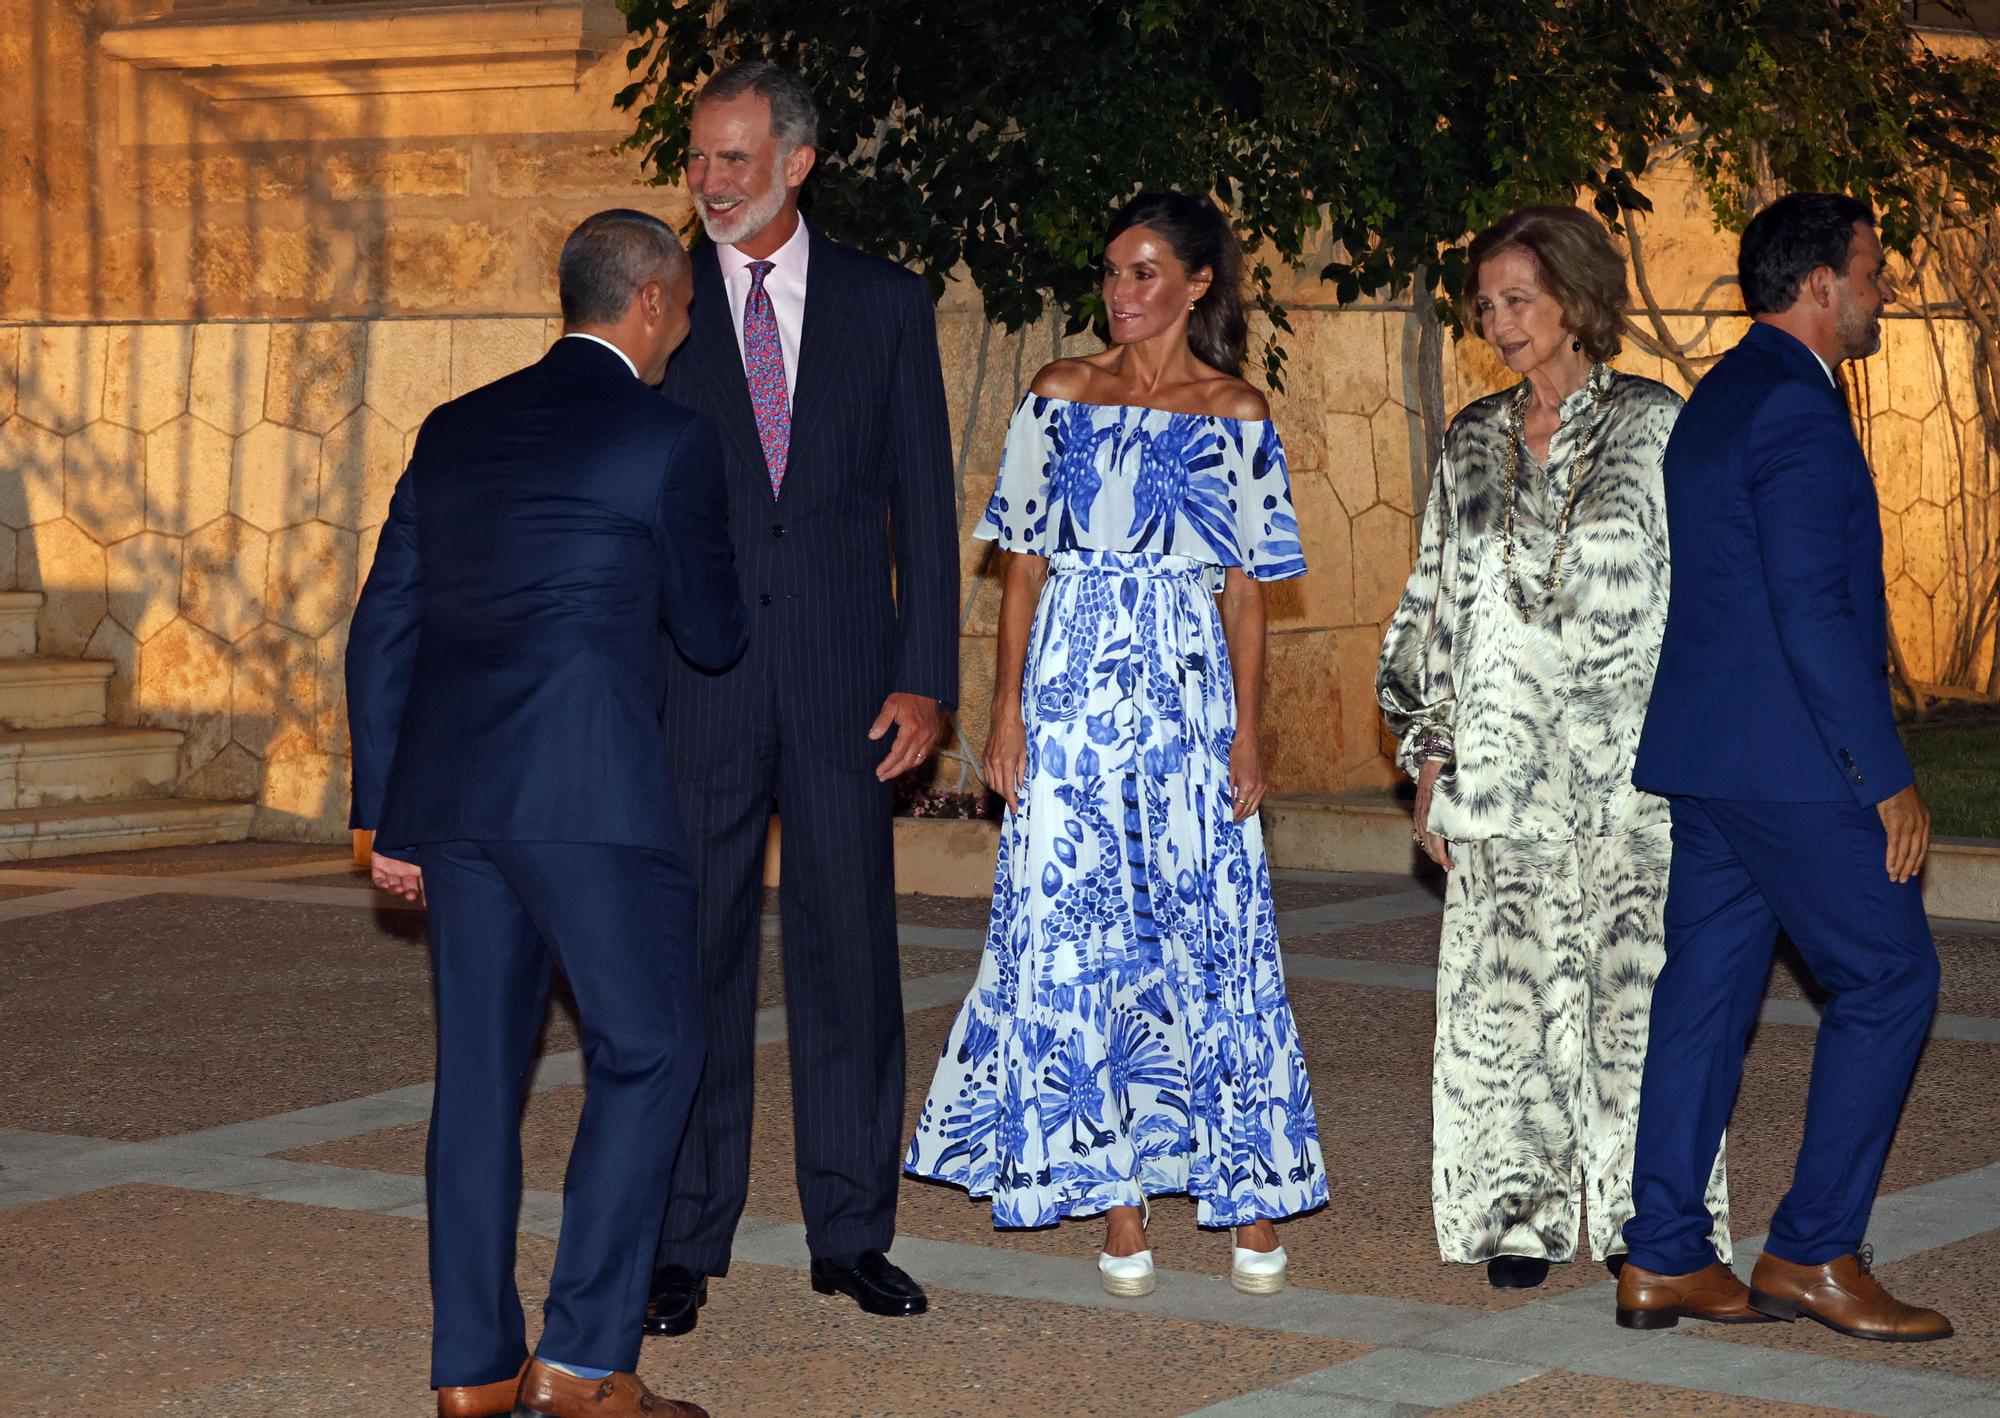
550, 1393
494, 1400
1650, 1301
1843, 1295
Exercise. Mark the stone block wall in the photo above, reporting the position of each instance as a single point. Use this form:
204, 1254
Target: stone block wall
221, 320
198, 503
136, 196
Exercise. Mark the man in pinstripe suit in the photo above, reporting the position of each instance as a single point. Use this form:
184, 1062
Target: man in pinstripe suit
818, 366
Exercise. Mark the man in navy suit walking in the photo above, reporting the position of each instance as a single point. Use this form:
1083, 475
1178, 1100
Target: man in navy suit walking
1793, 803
818, 365
505, 674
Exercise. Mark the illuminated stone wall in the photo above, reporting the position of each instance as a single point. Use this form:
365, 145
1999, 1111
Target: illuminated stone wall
227, 316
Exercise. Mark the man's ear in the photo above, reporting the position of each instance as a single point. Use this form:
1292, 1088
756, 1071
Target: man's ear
1819, 284
652, 301
798, 163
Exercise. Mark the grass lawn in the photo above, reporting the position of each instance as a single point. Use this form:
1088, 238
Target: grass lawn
1958, 772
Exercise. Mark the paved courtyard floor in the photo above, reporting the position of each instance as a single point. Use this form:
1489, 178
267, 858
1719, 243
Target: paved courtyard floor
214, 1074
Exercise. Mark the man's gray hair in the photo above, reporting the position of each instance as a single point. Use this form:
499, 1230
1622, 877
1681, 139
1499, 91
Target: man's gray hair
608, 258
794, 115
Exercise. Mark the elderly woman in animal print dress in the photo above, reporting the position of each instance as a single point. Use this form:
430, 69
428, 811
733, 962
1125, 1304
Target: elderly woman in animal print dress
1515, 676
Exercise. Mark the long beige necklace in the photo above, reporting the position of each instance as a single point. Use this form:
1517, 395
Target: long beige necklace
1580, 465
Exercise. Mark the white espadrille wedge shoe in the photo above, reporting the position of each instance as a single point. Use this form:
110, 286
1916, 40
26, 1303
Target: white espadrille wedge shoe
1130, 1276
1257, 1272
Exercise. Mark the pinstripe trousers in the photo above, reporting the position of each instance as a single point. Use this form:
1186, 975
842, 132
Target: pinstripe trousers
843, 998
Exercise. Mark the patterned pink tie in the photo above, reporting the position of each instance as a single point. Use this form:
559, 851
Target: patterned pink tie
764, 362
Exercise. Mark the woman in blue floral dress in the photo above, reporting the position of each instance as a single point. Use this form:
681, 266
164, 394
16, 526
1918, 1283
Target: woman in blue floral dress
1129, 1033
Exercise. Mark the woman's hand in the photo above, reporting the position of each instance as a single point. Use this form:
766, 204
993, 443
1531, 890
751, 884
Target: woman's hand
1435, 847
1246, 774
1005, 760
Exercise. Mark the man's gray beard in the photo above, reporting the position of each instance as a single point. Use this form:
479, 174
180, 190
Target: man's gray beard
746, 221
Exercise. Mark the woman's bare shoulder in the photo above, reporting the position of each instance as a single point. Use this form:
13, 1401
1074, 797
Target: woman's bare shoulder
1065, 378
1233, 398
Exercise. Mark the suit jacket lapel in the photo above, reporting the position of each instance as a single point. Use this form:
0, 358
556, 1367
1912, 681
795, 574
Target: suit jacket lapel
712, 343
827, 296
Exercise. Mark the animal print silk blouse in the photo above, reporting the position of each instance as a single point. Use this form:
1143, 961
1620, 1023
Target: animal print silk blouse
1538, 713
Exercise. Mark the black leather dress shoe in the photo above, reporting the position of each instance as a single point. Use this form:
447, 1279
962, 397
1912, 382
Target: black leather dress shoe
1516, 1272
877, 1286
676, 1301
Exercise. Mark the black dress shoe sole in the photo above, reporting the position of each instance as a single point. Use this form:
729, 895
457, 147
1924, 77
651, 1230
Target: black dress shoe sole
897, 1311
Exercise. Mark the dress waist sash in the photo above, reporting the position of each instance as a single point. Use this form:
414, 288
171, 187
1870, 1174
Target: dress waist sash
1089, 561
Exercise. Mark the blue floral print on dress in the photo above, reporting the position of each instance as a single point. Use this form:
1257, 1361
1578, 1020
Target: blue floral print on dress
1129, 1032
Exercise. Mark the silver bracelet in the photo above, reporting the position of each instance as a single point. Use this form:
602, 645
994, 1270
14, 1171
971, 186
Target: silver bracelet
1430, 744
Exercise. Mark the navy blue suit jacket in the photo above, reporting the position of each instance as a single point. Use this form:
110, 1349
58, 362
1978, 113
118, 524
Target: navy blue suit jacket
1773, 681
505, 668
851, 573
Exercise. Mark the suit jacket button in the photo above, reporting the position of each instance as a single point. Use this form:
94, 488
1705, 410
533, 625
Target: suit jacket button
777, 529
764, 599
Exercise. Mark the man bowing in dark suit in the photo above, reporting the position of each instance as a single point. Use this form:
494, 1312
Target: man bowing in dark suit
504, 680
819, 367
1793, 804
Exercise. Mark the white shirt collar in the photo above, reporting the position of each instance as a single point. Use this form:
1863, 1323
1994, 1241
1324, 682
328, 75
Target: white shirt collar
598, 340
1827, 367
791, 258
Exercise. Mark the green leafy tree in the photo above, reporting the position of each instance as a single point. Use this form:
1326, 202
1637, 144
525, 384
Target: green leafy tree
1000, 136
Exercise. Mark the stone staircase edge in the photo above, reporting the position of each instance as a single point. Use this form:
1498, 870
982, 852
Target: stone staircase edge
123, 813
1961, 878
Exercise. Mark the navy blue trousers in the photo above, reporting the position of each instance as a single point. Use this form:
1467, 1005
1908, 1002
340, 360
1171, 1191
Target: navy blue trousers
1740, 871
843, 1001
619, 921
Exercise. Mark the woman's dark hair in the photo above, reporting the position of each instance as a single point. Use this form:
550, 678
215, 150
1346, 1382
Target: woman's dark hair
1789, 240
1579, 267
1200, 235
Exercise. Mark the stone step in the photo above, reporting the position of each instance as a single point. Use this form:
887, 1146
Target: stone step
28, 832
1370, 834
18, 610
49, 767
53, 694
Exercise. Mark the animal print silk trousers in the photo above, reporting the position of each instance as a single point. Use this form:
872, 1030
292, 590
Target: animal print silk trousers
1545, 981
